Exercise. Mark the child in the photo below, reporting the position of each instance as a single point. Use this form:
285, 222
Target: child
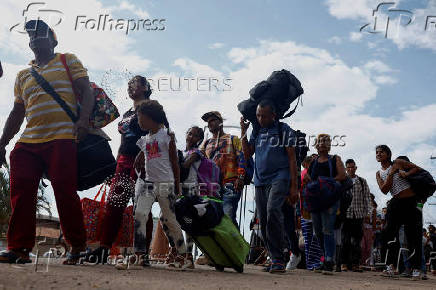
192, 160
158, 149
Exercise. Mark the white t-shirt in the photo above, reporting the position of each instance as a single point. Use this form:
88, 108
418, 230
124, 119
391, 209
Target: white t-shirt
157, 160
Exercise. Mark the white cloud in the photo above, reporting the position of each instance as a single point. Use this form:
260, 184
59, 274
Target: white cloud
355, 36
97, 49
127, 6
352, 9
380, 72
216, 45
335, 40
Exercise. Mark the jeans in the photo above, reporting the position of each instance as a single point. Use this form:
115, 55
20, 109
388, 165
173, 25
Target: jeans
269, 203
145, 195
231, 199
324, 226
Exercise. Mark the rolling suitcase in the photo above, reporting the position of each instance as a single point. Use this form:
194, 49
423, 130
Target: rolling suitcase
224, 246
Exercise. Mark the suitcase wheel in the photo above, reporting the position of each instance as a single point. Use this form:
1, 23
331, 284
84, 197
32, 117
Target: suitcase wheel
239, 269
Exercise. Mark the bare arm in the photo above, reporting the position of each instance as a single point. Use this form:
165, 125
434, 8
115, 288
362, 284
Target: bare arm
83, 88
12, 126
386, 185
247, 148
293, 174
409, 166
174, 160
341, 169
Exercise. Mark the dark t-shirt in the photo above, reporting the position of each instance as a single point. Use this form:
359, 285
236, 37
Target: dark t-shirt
130, 133
322, 169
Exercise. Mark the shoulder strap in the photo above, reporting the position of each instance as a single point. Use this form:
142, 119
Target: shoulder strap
361, 182
312, 167
64, 62
51, 91
330, 161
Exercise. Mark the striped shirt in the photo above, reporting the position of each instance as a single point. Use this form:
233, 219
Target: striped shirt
46, 120
398, 183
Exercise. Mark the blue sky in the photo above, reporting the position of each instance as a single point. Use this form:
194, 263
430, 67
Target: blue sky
370, 88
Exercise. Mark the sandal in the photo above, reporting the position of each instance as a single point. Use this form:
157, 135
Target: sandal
14, 257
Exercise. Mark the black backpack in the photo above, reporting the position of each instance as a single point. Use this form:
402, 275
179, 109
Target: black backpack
422, 184
282, 88
188, 217
300, 145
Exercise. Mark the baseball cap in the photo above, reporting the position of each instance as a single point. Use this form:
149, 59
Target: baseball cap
41, 27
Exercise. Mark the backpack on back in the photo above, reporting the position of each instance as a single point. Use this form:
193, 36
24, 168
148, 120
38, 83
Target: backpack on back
208, 175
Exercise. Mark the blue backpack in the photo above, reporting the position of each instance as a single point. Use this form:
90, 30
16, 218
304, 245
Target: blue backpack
322, 193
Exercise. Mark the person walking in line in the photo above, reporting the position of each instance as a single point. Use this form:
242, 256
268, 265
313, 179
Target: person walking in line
225, 150
312, 248
122, 184
324, 221
352, 231
47, 145
401, 210
275, 177
162, 181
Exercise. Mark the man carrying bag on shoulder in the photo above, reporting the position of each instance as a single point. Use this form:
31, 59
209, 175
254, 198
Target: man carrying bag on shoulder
48, 144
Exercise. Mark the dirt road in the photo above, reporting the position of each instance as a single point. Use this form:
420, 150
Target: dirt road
203, 277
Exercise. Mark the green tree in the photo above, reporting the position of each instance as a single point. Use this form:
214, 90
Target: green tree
42, 204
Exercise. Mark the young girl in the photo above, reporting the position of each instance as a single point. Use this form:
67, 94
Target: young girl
158, 150
192, 160
401, 209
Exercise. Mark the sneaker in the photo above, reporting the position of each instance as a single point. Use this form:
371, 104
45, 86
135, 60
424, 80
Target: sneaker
389, 271
319, 268
277, 267
406, 274
416, 275
293, 262
328, 268
344, 268
424, 276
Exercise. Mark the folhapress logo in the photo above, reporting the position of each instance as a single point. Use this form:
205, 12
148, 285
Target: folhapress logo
106, 23
37, 11
101, 22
